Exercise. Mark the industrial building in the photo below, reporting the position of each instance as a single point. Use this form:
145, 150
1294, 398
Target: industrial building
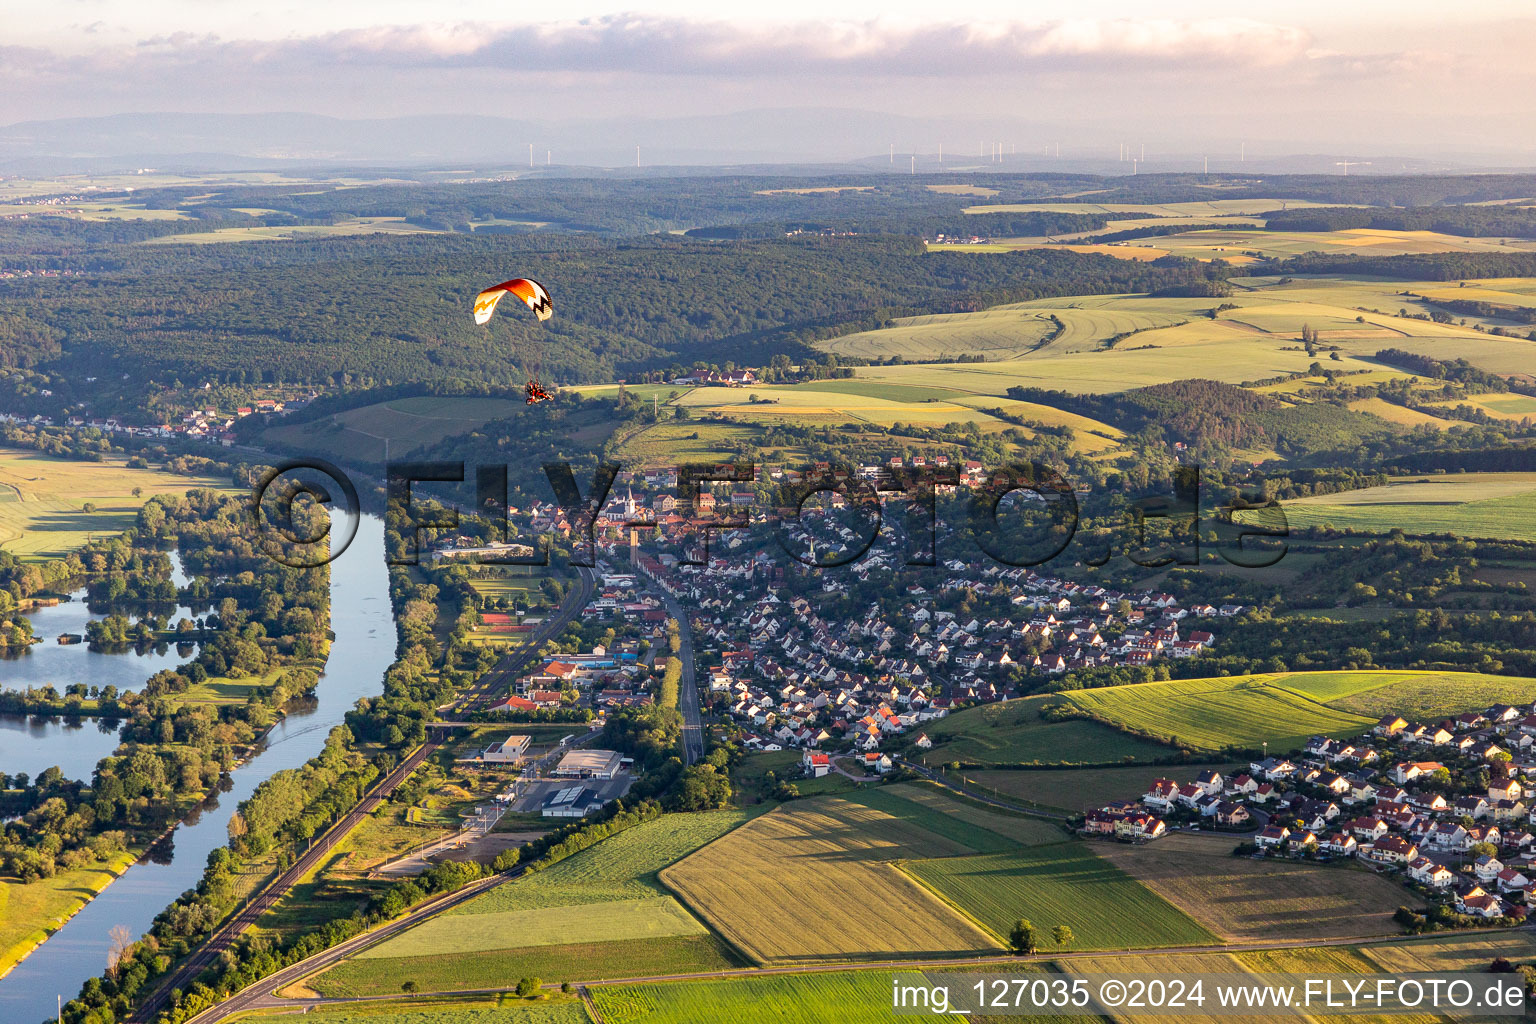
571, 802
589, 764
509, 751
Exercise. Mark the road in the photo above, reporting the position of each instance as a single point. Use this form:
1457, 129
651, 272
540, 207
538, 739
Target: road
688, 692
489, 685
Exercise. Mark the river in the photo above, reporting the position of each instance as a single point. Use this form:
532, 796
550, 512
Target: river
364, 647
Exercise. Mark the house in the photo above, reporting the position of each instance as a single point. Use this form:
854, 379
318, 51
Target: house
1485, 906
816, 765
1392, 850
1426, 872
1390, 725
1340, 844
876, 762
1140, 826
1160, 794
1273, 835
923, 742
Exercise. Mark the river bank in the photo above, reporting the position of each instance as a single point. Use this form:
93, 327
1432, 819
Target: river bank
363, 648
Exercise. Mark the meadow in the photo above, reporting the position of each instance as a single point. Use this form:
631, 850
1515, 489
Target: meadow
1213, 714
811, 882
504, 1009
43, 499
600, 913
1078, 789
1013, 732
841, 997
1239, 898
1491, 505
614, 921
30, 913
407, 424
982, 828
500, 968
1063, 883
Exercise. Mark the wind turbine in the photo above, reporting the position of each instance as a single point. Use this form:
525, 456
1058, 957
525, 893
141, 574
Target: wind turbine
1347, 164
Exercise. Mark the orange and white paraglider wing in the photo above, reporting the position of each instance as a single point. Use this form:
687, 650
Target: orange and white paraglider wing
533, 294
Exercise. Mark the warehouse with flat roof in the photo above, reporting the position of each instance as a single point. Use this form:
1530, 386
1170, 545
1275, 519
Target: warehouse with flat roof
589, 764
571, 802
509, 751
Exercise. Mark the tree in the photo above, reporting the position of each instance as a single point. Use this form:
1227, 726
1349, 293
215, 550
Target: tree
1022, 938
528, 987
1063, 936
121, 940
409, 987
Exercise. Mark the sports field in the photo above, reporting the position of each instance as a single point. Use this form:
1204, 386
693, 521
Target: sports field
1489, 505
43, 499
812, 881
1240, 898
1012, 732
1063, 883
408, 424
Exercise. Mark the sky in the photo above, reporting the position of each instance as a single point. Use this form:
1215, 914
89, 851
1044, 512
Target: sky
1296, 77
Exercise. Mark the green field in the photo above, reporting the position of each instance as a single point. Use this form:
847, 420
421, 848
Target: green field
601, 913
408, 424
262, 233
1064, 883
1284, 709
1419, 694
1213, 714
1012, 732
500, 968
1077, 789
615, 921
1487, 505
621, 867
932, 808
43, 499
478, 1010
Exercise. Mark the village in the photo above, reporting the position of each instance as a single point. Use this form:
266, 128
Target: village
779, 674
1449, 807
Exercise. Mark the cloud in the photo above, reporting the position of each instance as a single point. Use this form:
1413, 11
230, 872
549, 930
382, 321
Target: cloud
644, 44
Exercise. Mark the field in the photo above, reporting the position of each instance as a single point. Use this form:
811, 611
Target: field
408, 424
1213, 714
261, 233
1064, 883
616, 921
600, 913
811, 882
1239, 898
503, 1009
1014, 733
1452, 952
1425, 694
843, 997
1077, 789
1492, 505
1174, 338
981, 828
42, 500
501, 968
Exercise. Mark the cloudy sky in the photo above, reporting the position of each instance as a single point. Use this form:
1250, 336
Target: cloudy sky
1408, 75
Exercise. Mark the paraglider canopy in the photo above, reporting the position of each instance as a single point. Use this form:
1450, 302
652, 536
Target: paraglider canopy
533, 294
